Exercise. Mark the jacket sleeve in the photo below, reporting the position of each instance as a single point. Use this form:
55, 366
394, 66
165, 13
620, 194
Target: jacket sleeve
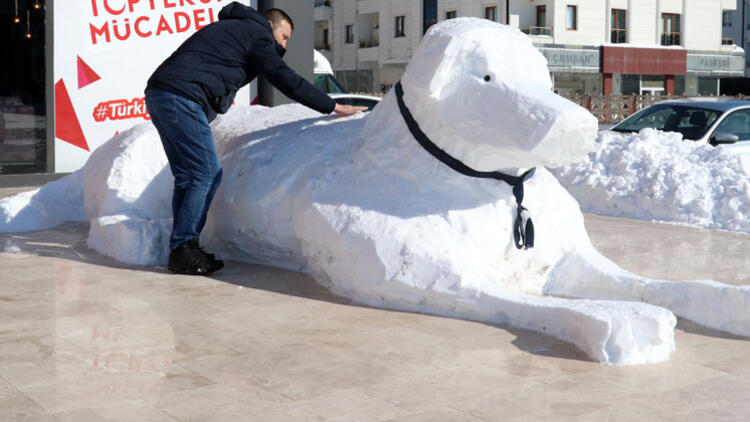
269, 64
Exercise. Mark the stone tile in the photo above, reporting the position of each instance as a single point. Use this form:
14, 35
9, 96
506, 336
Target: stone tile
344, 406
644, 379
76, 382
445, 388
135, 411
629, 412
437, 415
297, 371
562, 402
227, 401
25, 374
722, 354
725, 397
17, 406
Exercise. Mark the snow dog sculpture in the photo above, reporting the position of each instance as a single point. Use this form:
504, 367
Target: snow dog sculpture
360, 204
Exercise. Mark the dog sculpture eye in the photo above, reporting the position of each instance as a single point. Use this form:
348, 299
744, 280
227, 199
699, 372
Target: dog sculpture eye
487, 78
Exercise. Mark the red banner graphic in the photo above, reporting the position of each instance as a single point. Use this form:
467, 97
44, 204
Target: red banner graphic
136, 18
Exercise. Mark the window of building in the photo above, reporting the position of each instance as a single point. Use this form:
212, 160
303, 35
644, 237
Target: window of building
571, 18
490, 13
541, 16
572, 84
619, 34
356, 80
670, 29
726, 18
451, 14
429, 10
350, 34
708, 85
398, 27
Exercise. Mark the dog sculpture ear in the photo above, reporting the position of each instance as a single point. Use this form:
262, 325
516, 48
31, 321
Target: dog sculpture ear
441, 66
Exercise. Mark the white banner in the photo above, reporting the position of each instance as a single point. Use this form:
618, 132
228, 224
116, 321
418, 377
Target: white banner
104, 52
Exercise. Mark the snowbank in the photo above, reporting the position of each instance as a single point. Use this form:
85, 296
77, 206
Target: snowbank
655, 175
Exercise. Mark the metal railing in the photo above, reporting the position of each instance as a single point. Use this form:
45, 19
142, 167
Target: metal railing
614, 108
671, 38
537, 30
369, 44
618, 36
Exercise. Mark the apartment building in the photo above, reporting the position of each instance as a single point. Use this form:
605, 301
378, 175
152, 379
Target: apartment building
592, 46
736, 28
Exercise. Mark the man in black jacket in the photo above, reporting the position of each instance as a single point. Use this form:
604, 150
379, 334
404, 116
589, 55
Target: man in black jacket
199, 80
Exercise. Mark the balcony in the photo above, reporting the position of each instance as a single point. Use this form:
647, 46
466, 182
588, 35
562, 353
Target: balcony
618, 36
368, 43
671, 38
727, 45
368, 37
323, 11
368, 51
544, 31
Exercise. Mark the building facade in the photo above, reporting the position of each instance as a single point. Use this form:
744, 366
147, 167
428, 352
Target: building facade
736, 28
592, 46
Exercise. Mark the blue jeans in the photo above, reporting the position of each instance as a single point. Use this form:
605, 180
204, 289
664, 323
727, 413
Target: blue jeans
189, 145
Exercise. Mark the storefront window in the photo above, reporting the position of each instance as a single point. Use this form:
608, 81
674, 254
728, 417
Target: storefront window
708, 86
679, 85
572, 84
23, 127
630, 84
652, 85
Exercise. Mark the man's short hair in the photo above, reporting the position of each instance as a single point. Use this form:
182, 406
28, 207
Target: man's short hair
277, 15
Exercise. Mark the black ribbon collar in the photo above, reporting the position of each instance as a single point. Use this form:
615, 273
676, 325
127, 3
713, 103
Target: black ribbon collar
523, 234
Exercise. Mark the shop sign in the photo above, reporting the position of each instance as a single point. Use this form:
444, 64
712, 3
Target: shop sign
716, 63
568, 59
104, 52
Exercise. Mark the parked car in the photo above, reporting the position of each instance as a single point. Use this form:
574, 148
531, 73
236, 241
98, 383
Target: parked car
368, 101
326, 81
713, 121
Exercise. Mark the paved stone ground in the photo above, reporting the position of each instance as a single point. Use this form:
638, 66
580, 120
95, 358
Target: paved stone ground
84, 338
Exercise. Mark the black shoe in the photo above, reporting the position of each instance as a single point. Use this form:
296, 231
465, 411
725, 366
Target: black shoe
189, 258
216, 263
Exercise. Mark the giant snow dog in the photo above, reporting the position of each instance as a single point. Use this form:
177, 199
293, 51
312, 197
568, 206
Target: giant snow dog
361, 205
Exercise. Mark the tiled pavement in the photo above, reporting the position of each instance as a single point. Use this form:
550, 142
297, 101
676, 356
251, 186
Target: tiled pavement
83, 338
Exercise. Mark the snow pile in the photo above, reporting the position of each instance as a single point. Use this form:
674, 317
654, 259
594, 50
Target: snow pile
31, 210
655, 175
360, 205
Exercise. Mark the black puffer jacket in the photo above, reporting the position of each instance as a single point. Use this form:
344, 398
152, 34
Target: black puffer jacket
211, 65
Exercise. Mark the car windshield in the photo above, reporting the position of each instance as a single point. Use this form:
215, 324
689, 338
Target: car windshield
328, 83
691, 122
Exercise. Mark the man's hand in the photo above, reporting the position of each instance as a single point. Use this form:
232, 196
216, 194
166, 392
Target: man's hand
345, 110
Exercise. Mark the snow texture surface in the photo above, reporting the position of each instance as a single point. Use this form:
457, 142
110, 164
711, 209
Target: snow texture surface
655, 175
357, 203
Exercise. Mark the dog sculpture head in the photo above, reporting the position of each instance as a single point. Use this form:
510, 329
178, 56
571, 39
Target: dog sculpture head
482, 92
